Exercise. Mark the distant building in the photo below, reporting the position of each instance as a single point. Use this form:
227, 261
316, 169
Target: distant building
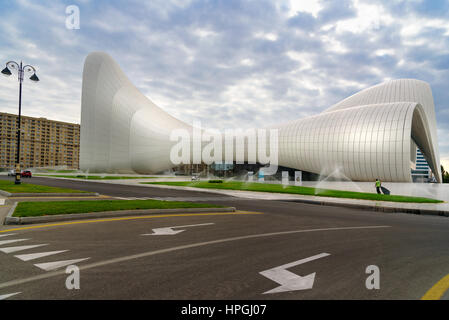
421, 172
44, 143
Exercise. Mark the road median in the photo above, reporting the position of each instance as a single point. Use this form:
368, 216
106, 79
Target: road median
42, 212
10, 220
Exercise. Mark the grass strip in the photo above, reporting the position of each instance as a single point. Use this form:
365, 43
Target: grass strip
309, 191
24, 187
84, 177
35, 209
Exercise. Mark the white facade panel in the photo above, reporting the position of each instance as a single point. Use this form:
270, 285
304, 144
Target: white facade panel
364, 137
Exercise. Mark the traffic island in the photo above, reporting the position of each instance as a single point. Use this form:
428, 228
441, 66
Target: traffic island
52, 211
324, 197
296, 190
9, 189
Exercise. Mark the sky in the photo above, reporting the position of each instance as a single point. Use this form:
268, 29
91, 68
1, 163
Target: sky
229, 64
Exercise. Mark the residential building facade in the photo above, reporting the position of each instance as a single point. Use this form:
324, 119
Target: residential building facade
44, 143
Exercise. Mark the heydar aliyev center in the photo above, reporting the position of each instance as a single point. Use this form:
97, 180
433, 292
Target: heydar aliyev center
371, 134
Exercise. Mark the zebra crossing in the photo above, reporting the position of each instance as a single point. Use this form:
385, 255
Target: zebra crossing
12, 246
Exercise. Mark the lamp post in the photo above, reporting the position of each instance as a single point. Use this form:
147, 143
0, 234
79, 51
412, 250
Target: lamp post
21, 70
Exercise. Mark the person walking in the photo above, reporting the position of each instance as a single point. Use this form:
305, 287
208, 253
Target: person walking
378, 185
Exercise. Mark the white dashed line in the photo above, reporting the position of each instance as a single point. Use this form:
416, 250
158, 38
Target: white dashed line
20, 248
11, 241
32, 256
6, 296
49, 266
8, 234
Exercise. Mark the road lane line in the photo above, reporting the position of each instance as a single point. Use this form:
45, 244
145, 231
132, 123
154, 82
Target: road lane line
134, 218
32, 256
437, 291
6, 296
11, 241
20, 248
8, 234
188, 246
49, 266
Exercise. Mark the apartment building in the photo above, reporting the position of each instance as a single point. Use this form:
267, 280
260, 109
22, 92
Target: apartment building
44, 143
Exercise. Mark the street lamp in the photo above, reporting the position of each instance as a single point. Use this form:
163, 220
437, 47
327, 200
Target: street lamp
21, 70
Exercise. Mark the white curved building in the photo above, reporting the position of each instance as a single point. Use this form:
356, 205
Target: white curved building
372, 134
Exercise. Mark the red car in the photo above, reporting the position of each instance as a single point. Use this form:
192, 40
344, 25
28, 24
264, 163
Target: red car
26, 174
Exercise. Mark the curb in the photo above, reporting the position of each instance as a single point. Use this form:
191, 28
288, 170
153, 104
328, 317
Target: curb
373, 207
109, 214
10, 212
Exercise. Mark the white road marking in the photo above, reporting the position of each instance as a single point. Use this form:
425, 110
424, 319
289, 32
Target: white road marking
172, 249
32, 256
11, 241
8, 234
134, 198
20, 248
2, 202
170, 231
49, 266
288, 280
6, 296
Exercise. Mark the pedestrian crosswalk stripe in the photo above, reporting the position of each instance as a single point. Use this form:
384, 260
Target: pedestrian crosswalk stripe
32, 256
11, 241
20, 248
49, 266
6, 296
8, 234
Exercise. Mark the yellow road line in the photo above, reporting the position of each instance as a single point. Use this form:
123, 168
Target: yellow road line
134, 218
437, 291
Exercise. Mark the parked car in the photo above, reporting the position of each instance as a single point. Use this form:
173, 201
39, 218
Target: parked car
11, 173
26, 174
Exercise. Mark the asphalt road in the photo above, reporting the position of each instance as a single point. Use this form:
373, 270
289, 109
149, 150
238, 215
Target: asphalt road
222, 256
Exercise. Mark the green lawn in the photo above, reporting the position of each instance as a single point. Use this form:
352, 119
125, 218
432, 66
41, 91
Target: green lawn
25, 187
34, 209
81, 176
265, 187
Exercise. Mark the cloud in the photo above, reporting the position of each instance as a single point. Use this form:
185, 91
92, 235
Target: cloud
231, 63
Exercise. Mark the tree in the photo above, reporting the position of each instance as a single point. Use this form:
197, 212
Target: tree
445, 175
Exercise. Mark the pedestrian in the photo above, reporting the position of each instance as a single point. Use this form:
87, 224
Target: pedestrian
378, 185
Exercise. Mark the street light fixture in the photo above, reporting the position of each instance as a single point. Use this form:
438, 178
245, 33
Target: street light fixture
21, 70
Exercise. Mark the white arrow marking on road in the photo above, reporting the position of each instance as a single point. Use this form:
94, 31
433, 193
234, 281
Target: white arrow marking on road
8, 234
48, 266
11, 241
170, 231
6, 296
32, 256
20, 248
288, 280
